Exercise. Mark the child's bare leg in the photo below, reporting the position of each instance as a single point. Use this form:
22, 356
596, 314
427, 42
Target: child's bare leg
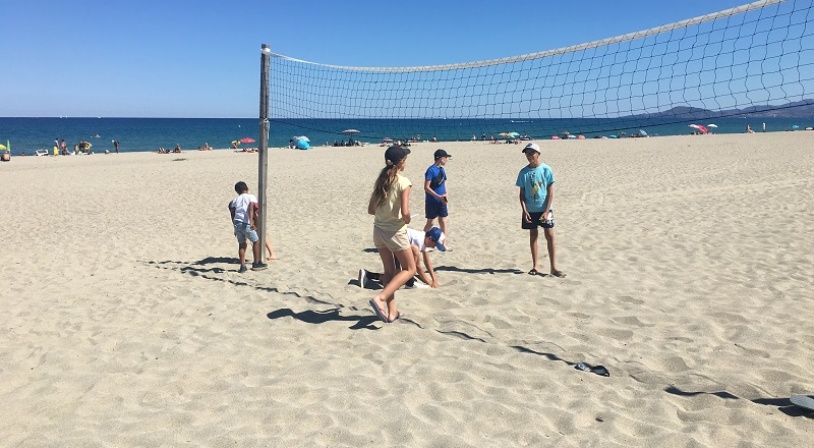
533, 234
386, 298
442, 224
270, 251
241, 252
552, 253
428, 226
257, 251
381, 300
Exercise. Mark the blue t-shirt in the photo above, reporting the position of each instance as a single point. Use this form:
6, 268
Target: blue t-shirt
535, 182
438, 182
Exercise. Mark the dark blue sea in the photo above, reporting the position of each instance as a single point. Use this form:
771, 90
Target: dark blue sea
148, 134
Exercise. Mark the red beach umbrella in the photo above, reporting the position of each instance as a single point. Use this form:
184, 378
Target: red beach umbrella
246, 140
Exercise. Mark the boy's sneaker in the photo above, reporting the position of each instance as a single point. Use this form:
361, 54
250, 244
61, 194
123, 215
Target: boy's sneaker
259, 266
242, 269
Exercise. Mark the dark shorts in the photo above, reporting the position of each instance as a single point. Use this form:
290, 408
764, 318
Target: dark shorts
538, 221
435, 209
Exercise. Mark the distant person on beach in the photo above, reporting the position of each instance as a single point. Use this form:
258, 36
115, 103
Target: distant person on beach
420, 244
749, 129
536, 182
764, 126
63, 147
177, 149
116, 146
436, 195
390, 204
241, 209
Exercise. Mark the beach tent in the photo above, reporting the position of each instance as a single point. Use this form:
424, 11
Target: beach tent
303, 143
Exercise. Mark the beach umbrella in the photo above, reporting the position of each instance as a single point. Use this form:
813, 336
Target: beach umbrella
700, 128
387, 140
795, 127
2, 147
302, 137
246, 140
351, 131
303, 144
555, 137
712, 125
84, 145
642, 133
514, 134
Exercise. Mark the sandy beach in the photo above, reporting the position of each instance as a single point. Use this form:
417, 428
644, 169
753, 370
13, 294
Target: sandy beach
690, 266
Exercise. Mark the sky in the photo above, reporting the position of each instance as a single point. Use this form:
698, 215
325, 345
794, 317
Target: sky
201, 58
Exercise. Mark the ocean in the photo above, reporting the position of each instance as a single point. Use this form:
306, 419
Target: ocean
148, 134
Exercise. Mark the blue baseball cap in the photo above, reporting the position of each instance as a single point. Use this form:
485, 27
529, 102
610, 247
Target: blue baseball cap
438, 236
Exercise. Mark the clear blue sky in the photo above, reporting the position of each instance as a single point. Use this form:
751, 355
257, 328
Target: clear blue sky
201, 58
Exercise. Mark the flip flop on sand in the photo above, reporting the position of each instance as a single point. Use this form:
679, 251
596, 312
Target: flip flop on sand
399, 315
559, 274
378, 311
536, 272
598, 370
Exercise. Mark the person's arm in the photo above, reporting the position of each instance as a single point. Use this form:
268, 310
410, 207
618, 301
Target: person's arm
405, 205
232, 211
371, 206
523, 205
250, 212
418, 269
428, 263
432, 192
548, 200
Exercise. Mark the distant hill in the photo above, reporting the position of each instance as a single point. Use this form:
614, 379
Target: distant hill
804, 108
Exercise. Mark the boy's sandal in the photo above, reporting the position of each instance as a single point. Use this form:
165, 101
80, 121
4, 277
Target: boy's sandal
559, 274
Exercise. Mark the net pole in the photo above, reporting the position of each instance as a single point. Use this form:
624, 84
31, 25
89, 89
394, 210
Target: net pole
262, 164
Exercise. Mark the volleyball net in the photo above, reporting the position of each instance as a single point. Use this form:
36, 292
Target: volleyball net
753, 60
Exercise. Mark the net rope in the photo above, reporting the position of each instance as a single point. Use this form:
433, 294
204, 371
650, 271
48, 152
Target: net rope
752, 60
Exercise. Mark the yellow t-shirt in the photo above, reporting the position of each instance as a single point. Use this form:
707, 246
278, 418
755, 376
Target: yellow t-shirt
388, 215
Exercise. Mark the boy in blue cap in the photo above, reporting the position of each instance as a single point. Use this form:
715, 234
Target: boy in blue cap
420, 243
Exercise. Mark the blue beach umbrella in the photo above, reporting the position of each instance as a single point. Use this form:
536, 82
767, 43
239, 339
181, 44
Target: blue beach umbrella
795, 127
303, 144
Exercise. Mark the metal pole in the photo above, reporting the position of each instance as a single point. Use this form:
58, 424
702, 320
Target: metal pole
262, 164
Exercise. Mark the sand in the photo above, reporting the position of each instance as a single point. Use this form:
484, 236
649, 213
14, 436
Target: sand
690, 266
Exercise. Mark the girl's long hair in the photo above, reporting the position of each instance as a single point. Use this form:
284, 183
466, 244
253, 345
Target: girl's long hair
384, 183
